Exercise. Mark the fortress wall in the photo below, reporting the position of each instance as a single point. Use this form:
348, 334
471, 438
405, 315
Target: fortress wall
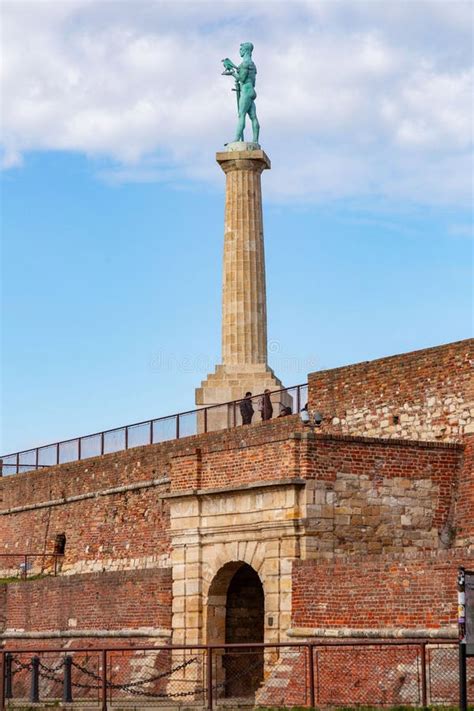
113, 508
378, 496
430, 391
464, 521
392, 591
126, 600
362, 495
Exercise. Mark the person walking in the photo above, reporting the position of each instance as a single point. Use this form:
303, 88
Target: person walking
265, 406
246, 409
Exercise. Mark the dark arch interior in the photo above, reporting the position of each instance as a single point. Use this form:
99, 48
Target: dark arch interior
244, 623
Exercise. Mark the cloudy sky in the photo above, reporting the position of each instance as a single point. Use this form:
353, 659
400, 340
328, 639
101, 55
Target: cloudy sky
112, 202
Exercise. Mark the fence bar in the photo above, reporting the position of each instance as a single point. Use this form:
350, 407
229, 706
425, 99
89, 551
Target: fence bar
34, 690
79, 447
103, 683
2, 680
312, 698
462, 677
298, 398
424, 694
8, 675
205, 419
209, 679
177, 426
67, 685
17, 462
151, 431
101, 443
126, 437
57, 453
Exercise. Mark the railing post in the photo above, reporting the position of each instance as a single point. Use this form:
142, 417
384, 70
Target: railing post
209, 679
151, 431
8, 675
298, 398
126, 437
234, 414
103, 685
57, 453
177, 426
2, 680
36, 457
424, 691
101, 443
205, 419
67, 685
312, 697
34, 689
462, 678
18, 462
79, 447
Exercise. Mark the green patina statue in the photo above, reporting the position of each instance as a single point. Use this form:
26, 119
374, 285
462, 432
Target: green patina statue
244, 76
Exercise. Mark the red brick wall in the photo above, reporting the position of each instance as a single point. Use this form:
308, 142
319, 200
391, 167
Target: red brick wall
128, 525
97, 601
465, 496
431, 391
376, 592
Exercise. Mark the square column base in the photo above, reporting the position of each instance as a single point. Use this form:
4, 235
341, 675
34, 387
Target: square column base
231, 383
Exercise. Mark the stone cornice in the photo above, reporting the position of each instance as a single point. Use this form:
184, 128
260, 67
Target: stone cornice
229, 489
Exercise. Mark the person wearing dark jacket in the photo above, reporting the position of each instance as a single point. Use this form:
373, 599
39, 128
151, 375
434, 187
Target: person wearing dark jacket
246, 409
266, 407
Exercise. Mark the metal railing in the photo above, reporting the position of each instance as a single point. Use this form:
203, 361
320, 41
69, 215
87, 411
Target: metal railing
325, 674
182, 424
22, 565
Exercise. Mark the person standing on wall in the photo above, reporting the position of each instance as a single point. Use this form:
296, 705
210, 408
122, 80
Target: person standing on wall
265, 406
246, 409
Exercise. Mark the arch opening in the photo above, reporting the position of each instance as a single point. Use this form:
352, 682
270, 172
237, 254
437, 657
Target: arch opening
236, 609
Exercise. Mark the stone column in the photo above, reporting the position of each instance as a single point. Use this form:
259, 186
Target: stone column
244, 309
244, 303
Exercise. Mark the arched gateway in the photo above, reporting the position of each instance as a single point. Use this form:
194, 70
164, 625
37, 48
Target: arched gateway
235, 614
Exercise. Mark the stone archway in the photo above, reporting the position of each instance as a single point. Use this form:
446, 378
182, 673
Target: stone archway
235, 614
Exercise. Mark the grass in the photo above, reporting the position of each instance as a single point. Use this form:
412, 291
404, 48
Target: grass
21, 579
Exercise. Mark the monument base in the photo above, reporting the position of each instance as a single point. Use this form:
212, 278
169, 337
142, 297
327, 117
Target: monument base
231, 382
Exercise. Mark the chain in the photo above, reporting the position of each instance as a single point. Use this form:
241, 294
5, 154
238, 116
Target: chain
130, 685
21, 666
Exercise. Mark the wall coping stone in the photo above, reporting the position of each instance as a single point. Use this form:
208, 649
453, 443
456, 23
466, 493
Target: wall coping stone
56, 634
241, 487
449, 632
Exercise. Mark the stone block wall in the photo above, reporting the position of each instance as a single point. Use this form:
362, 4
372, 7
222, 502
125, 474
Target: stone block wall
424, 395
372, 496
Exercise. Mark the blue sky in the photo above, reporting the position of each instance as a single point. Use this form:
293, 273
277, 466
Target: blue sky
112, 204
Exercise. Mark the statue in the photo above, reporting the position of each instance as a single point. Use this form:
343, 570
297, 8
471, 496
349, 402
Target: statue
244, 76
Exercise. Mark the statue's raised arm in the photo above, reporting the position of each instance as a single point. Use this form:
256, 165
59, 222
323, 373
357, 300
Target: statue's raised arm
244, 75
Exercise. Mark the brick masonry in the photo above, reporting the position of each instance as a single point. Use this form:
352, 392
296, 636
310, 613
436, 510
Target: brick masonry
430, 392
150, 531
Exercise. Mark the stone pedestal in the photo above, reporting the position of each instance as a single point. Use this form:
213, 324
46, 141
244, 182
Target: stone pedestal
244, 311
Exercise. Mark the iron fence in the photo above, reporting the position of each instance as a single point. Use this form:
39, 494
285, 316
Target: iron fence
313, 675
25, 565
183, 424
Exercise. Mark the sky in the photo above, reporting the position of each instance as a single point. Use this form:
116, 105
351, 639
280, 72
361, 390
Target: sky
112, 203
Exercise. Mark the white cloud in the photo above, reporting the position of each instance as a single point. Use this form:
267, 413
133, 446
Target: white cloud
355, 98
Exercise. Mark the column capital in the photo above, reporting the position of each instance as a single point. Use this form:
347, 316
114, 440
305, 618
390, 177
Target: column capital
256, 160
